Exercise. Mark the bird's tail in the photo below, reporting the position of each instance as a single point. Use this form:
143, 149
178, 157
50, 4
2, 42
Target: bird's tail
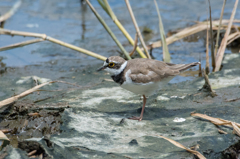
183, 67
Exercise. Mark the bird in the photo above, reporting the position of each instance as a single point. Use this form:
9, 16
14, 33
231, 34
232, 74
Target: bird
142, 76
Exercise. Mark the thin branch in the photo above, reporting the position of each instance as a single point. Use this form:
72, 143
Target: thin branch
188, 31
224, 41
27, 92
198, 154
233, 37
11, 11
135, 45
20, 44
219, 26
137, 28
45, 37
211, 37
207, 53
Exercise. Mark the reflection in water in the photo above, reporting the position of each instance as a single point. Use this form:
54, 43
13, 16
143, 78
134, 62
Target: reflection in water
83, 11
2, 66
2, 24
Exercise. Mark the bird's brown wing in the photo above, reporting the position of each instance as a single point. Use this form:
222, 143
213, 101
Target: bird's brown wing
145, 70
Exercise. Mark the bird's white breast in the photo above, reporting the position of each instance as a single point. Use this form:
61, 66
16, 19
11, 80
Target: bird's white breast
146, 89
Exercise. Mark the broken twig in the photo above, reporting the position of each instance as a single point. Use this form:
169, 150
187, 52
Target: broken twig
198, 154
223, 45
219, 121
135, 45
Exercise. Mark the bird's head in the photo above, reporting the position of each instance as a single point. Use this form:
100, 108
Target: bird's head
114, 65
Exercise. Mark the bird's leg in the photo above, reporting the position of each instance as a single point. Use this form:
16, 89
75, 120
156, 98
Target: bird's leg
141, 116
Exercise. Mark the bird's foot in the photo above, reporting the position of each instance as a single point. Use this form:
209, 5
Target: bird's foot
136, 118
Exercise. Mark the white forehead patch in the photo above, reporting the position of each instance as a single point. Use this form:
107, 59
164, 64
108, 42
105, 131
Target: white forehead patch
113, 71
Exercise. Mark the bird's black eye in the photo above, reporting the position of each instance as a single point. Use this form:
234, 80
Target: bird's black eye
111, 64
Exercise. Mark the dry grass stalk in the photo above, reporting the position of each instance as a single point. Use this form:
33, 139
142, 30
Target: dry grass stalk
27, 92
233, 37
11, 11
137, 28
108, 30
166, 54
34, 114
6, 130
198, 154
221, 131
211, 36
219, 121
32, 152
207, 86
219, 26
207, 53
224, 41
109, 11
20, 44
188, 31
4, 139
45, 37
135, 45
232, 100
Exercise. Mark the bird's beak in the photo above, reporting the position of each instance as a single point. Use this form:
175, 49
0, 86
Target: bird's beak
101, 68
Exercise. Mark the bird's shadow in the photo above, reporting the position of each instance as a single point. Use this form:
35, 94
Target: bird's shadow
153, 113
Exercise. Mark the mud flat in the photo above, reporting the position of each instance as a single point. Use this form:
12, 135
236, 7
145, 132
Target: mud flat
87, 122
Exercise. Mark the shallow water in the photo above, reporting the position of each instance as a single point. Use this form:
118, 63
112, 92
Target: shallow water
75, 23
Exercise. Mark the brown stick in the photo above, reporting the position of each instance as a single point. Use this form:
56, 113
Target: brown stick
20, 44
45, 37
135, 45
219, 26
27, 92
224, 41
11, 11
207, 53
183, 147
188, 31
32, 152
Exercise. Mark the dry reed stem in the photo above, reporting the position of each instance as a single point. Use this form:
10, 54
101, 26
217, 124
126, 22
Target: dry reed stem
11, 11
135, 45
32, 152
224, 40
221, 131
27, 92
198, 154
207, 85
108, 30
219, 26
137, 28
219, 121
4, 139
166, 54
45, 37
20, 44
120, 26
233, 37
207, 53
6, 130
211, 37
188, 31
